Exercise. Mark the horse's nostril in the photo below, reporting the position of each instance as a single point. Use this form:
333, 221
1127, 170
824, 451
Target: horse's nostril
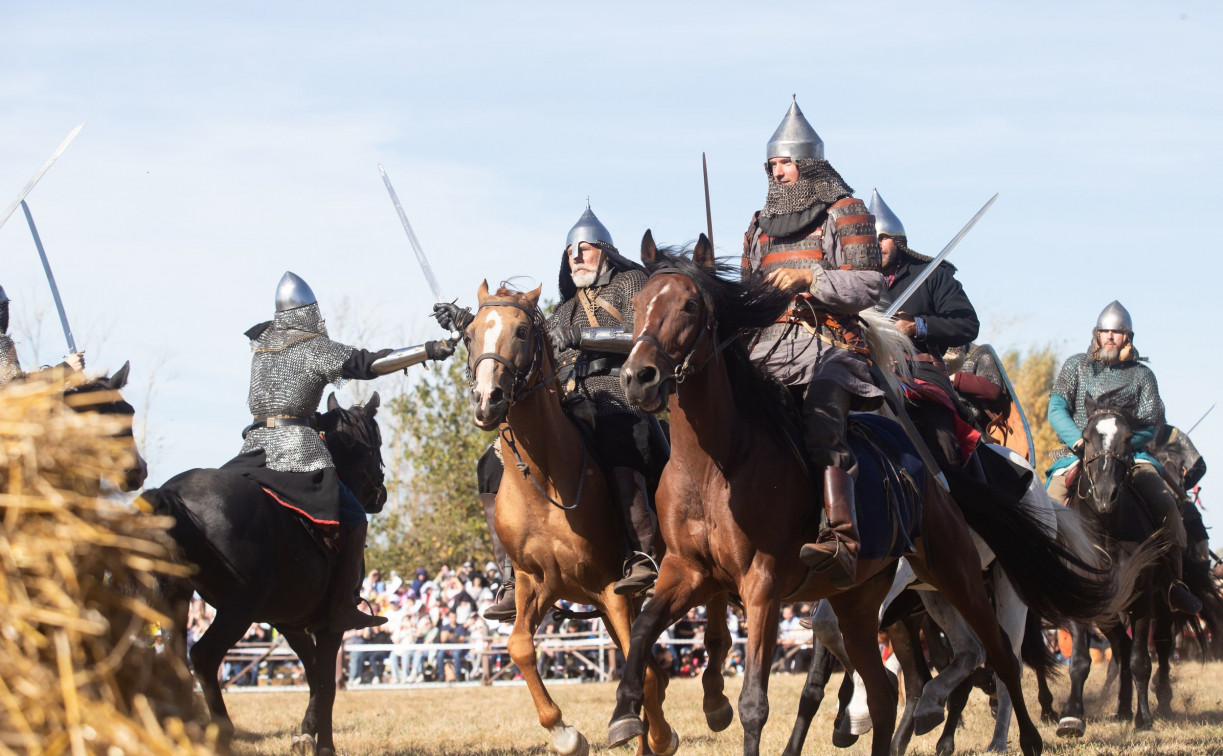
496, 396
647, 375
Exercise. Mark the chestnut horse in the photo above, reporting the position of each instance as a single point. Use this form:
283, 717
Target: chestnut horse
735, 503
552, 513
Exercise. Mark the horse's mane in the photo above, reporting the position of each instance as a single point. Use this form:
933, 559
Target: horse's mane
741, 307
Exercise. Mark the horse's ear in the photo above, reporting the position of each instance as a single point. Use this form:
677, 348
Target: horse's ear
119, 379
482, 294
703, 254
533, 295
1092, 405
332, 403
649, 250
371, 407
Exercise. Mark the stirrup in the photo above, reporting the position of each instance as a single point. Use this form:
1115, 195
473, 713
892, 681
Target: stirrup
627, 562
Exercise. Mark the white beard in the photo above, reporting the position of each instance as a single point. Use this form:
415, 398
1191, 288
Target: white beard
1109, 355
584, 278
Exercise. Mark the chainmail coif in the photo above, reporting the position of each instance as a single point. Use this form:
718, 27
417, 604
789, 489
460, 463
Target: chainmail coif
818, 182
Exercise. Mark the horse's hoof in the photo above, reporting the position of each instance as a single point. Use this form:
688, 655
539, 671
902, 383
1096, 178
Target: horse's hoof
1071, 727
671, 747
997, 747
568, 741
623, 730
843, 738
1164, 711
1143, 723
944, 748
719, 720
924, 722
860, 725
303, 745
1048, 716
325, 751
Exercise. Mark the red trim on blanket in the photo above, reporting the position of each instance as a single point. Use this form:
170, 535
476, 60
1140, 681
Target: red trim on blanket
287, 505
967, 436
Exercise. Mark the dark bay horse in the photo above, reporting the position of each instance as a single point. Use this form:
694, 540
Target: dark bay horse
563, 536
1126, 531
102, 395
257, 561
735, 503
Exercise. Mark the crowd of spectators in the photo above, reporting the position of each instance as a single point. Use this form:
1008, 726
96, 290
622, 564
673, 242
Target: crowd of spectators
446, 607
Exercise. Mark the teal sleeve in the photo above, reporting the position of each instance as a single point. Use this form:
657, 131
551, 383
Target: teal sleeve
1142, 438
1062, 421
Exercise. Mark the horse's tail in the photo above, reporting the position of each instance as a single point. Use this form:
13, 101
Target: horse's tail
1035, 651
1060, 577
889, 347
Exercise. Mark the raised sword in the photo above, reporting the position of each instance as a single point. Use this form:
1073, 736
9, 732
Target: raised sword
29, 187
708, 212
926, 272
431, 279
46, 266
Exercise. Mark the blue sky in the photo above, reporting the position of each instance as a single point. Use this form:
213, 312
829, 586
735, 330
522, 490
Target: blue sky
227, 142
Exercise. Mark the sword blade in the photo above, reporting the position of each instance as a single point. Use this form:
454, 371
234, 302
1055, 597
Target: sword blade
29, 187
420, 252
46, 266
898, 302
1200, 419
708, 212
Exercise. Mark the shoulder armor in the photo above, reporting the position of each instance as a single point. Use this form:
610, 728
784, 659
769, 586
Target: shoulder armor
855, 228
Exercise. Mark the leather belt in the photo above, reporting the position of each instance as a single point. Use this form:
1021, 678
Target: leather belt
930, 358
279, 421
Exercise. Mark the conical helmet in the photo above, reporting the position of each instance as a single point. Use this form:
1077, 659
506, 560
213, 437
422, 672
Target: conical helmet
1115, 318
292, 292
886, 221
795, 138
588, 229
3, 297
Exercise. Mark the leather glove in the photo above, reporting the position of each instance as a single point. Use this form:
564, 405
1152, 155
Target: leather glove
438, 350
452, 317
566, 337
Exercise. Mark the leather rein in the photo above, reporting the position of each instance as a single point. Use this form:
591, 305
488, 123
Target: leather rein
520, 390
679, 369
1126, 460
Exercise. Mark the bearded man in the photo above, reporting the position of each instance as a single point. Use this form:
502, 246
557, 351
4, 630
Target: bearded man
592, 333
815, 240
1111, 366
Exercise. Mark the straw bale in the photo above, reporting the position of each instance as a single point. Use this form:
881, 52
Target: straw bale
80, 672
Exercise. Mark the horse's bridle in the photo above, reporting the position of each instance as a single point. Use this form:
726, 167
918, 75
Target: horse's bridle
521, 377
678, 370
1125, 460
520, 390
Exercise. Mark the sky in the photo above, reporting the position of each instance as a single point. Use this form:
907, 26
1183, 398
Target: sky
227, 142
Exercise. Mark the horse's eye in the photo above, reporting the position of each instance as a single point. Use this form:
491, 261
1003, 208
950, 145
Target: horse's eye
690, 306
521, 332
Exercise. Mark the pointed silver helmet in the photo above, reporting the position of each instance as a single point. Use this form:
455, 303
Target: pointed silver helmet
292, 292
795, 138
588, 229
3, 296
886, 221
1115, 318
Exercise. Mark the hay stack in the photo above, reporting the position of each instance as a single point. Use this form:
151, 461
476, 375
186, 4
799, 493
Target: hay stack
79, 673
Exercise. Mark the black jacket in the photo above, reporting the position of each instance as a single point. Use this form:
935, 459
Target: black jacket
941, 302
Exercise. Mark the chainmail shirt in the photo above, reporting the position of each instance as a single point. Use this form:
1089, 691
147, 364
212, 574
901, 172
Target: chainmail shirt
1130, 384
980, 361
294, 361
602, 387
10, 368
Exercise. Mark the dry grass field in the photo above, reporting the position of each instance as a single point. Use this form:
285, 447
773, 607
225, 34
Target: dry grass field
501, 720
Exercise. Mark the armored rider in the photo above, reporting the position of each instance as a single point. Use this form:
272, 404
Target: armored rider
816, 241
1183, 467
591, 331
1111, 365
293, 363
937, 316
10, 366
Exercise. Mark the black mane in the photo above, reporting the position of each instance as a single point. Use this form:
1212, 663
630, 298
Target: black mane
741, 307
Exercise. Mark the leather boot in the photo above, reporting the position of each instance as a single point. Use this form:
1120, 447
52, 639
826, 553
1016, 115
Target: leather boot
506, 607
1180, 599
633, 498
346, 584
835, 552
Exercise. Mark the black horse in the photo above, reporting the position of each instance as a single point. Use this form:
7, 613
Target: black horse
1127, 532
101, 395
260, 562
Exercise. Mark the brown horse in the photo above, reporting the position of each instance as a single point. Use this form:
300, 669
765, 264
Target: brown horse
552, 511
735, 503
